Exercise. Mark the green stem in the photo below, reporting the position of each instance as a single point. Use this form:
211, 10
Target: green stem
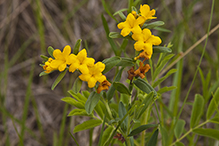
189, 132
107, 107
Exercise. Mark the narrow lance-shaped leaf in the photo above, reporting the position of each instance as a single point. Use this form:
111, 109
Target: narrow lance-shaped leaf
78, 112
166, 89
110, 63
213, 104
73, 102
58, 79
87, 125
106, 135
112, 89
153, 139
146, 102
122, 113
115, 35
163, 78
77, 46
197, 110
125, 61
77, 85
153, 24
160, 49
92, 101
161, 65
212, 133
144, 86
121, 88
50, 51
141, 128
179, 128
110, 40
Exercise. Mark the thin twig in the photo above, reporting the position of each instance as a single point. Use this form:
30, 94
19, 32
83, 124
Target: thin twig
189, 50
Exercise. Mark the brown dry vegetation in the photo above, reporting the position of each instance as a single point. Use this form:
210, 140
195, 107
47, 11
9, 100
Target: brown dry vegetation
23, 39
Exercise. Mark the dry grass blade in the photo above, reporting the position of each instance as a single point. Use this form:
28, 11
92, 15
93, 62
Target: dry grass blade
189, 50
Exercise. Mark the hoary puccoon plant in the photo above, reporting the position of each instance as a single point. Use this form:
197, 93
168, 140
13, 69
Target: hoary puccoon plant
128, 113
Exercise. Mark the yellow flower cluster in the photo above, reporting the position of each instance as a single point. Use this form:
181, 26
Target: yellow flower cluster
144, 38
91, 71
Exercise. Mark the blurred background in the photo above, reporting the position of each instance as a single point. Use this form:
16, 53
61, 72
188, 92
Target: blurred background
28, 106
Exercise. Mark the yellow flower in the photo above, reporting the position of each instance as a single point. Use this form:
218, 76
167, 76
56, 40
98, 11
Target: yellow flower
94, 75
130, 25
60, 61
146, 13
80, 61
47, 67
145, 41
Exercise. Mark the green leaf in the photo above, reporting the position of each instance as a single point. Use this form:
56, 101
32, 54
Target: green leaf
112, 89
45, 58
110, 40
124, 44
77, 85
77, 47
160, 49
163, 78
145, 103
144, 86
78, 112
58, 79
197, 110
162, 29
121, 88
73, 102
179, 144
125, 61
99, 109
50, 51
43, 73
122, 112
115, 35
165, 135
166, 89
141, 128
105, 6
212, 133
213, 104
179, 128
87, 125
106, 135
153, 139
92, 101
78, 96
161, 65
215, 120
153, 24
120, 11
110, 63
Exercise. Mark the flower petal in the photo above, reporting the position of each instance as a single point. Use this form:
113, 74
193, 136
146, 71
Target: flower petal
155, 40
62, 67
66, 51
92, 82
56, 63
89, 62
84, 69
125, 31
85, 77
82, 55
57, 54
139, 45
